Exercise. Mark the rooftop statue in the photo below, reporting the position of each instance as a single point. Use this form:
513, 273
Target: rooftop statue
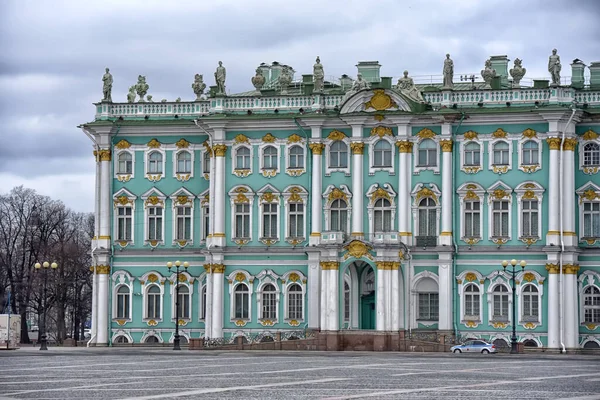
131, 94
554, 68
142, 88
220, 75
487, 73
517, 73
318, 76
448, 72
407, 87
360, 83
107, 86
285, 79
198, 86
149, 99
258, 80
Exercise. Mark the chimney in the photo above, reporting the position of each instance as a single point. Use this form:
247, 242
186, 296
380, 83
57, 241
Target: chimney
595, 75
265, 71
500, 64
275, 71
369, 70
345, 82
577, 69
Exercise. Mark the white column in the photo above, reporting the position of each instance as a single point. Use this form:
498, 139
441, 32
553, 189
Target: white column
357, 190
380, 296
324, 298
314, 292
217, 307
553, 306
568, 192
105, 195
316, 198
571, 313
445, 295
209, 302
334, 298
103, 272
553, 193
447, 193
404, 187
219, 203
395, 298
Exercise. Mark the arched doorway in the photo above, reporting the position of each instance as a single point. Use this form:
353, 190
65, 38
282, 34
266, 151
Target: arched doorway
367, 298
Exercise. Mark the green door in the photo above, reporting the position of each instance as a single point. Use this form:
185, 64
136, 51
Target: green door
367, 320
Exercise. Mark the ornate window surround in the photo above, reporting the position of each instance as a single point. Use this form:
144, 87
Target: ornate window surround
205, 151
586, 279
204, 205
295, 194
466, 278
235, 278
331, 194
529, 135
470, 137
420, 192
423, 134
265, 277
185, 279
202, 283
119, 279
499, 191
588, 137
523, 279
239, 142
154, 198
334, 136
501, 168
378, 134
589, 192
529, 190
269, 141
149, 279
268, 195
497, 278
241, 194
183, 177
295, 140
470, 191
288, 279
376, 192
123, 198
155, 146
124, 177
182, 198
414, 297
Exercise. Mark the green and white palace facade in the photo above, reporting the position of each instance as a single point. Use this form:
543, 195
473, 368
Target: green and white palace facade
306, 206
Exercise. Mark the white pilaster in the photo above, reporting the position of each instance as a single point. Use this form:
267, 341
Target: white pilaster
553, 192
219, 202
316, 189
217, 307
404, 180
103, 272
553, 306
395, 298
209, 302
445, 294
314, 291
357, 189
334, 299
568, 192
380, 296
105, 195
324, 298
447, 193
571, 313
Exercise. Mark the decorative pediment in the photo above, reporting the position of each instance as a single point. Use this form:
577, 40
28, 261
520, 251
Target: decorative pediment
588, 192
425, 133
421, 191
123, 144
268, 194
384, 191
590, 135
375, 100
336, 135
182, 197
381, 131
153, 198
124, 198
268, 138
333, 193
499, 191
241, 194
154, 144
295, 139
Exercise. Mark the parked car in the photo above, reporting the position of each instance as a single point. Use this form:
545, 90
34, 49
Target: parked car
474, 346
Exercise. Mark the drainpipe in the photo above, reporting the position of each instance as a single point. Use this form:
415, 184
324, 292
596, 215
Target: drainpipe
562, 242
308, 170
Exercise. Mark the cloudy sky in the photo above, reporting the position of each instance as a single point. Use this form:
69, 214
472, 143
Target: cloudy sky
53, 55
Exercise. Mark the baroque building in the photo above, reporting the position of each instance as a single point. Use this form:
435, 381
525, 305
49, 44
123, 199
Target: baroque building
333, 205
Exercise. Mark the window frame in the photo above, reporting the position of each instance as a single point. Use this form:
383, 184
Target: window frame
185, 200
333, 138
123, 199
188, 283
372, 143
432, 154
160, 294
416, 289
289, 279
530, 168
500, 168
499, 193
529, 191
588, 194
124, 176
180, 175
501, 281
294, 194
330, 195
273, 166
235, 169
464, 281
241, 195
472, 138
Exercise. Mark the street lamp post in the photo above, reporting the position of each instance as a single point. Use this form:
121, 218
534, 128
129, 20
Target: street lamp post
170, 265
38, 267
513, 263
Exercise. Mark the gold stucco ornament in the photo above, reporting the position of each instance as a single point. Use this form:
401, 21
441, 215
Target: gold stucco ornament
380, 101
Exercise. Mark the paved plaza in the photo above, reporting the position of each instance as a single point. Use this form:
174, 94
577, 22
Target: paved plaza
138, 373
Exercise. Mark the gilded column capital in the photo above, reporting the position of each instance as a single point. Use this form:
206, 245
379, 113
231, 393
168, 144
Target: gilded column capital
570, 269
102, 269
388, 265
330, 265
357, 147
102, 155
404, 146
220, 150
218, 268
317, 148
552, 268
446, 145
553, 143
569, 144
207, 268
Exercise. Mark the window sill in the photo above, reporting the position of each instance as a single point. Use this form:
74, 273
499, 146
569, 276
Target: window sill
269, 241
242, 172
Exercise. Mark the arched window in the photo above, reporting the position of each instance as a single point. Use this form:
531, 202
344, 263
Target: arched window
338, 155
121, 339
531, 306
296, 157
242, 158
427, 153
383, 216
123, 297
500, 303
155, 163
242, 301
472, 154
152, 340
270, 157
153, 302
125, 163
530, 153
591, 154
428, 300
590, 344
295, 301
591, 305
500, 153
184, 162
427, 217
530, 343
346, 302
269, 302
338, 216
382, 154
184, 302
472, 301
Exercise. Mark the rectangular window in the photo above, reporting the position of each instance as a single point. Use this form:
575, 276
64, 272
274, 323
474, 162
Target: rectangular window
530, 218
530, 306
383, 221
155, 223
241, 305
183, 227
472, 157
295, 305
269, 305
270, 221
428, 306
472, 219
183, 310
206, 163
124, 222
242, 221
296, 220
500, 307
472, 305
591, 219
123, 305
500, 218
206, 222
